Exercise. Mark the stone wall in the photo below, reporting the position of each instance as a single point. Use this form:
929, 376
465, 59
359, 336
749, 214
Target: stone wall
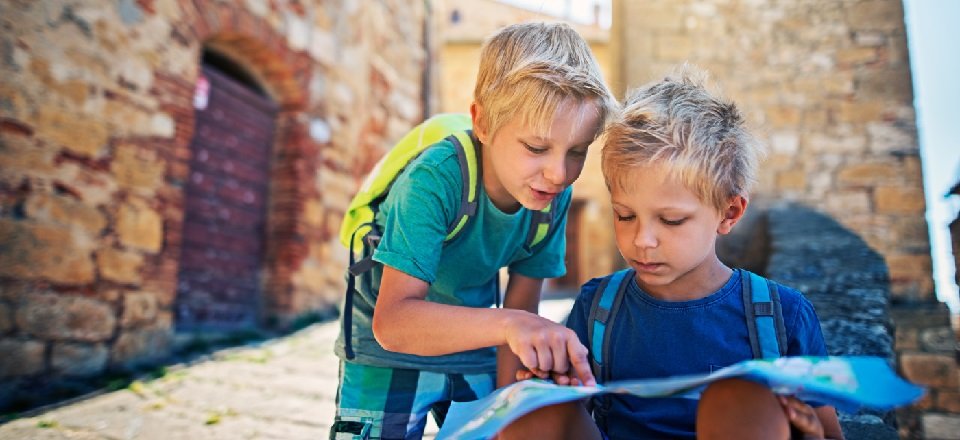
827, 85
96, 119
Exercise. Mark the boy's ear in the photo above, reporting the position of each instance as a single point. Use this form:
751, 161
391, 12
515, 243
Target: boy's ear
478, 130
736, 207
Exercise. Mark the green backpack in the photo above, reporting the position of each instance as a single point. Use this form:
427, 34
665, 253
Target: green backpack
359, 230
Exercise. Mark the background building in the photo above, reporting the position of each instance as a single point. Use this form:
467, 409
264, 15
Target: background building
170, 168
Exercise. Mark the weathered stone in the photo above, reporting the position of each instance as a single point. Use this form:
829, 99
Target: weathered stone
140, 346
792, 180
137, 169
65, 211
899, 200
939, 340
940, 426
19, 154
120, 266
868, 174
935, 370
42, 251
139, 226
74, 131
138, 308
21, 357
73, 359
948, 400
53, 316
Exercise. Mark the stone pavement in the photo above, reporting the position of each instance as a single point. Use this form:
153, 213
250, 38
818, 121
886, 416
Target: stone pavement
280, 389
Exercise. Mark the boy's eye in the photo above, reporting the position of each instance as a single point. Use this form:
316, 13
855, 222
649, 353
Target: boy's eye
579, 154
534, 149
673, 222
624, 218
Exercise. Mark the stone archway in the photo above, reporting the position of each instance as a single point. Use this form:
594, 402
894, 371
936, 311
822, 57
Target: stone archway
282, 72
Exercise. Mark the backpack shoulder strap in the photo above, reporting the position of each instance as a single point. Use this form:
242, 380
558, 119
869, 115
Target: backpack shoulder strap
603, 310
764, 316
541, 222
466, 145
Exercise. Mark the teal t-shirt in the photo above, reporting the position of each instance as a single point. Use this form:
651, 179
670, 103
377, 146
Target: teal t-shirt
414, 218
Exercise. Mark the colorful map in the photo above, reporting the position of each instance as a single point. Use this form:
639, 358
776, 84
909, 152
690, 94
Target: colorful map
845, 382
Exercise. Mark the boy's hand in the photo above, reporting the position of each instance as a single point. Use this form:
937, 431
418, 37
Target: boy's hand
544, 347
802, 416
558, 378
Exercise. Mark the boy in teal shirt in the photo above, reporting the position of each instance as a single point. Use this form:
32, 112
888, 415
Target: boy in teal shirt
423, 332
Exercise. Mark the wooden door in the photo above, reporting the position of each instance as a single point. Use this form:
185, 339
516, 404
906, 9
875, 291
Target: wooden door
225, 201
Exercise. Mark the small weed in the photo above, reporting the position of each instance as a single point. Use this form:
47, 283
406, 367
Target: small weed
45, 423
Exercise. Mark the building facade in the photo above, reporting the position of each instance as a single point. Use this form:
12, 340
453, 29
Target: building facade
174, 166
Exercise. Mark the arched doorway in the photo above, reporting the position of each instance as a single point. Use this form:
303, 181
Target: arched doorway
219, 285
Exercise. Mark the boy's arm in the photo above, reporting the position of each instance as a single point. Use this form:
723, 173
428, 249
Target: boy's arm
523, 293
403, 321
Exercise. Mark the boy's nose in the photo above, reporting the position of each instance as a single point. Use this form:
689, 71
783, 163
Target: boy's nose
644, 238
555, 172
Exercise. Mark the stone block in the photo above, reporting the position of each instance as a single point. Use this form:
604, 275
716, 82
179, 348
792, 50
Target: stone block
899, 200
29, 356
65, 211
948, 400
138, 308
72, 130
867, 174
61, 317
907, 339
939, 340
141, 346
855, 56
120, 266
20, 154
139, 226
792, 180
886, 137
940, 426
36, 251
137, 169
859, 112
936, 370
74, 359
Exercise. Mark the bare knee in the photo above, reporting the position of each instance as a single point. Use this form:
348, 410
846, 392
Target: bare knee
737, 408
568, 420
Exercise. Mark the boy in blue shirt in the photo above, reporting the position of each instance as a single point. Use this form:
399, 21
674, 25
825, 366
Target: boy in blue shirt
679, 163
423, 333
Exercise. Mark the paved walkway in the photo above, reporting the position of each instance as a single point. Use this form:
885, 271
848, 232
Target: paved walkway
281, 389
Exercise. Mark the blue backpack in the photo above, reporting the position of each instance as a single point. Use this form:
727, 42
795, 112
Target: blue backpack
761, 306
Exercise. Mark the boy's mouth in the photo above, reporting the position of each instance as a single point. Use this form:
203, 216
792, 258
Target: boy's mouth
646, 267
543, 195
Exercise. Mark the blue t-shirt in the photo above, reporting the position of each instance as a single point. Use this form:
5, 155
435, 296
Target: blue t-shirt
414, 218
652, 338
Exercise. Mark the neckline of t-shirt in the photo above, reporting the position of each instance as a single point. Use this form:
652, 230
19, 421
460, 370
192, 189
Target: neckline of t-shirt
729, 287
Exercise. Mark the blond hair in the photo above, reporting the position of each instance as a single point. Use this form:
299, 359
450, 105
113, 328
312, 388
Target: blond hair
528, 70
676, 123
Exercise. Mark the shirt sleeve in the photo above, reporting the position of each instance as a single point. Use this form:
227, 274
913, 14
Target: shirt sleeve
415, 216
547, 261
805, 338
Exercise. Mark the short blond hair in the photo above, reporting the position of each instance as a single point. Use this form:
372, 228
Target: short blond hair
701, 139
529, 70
